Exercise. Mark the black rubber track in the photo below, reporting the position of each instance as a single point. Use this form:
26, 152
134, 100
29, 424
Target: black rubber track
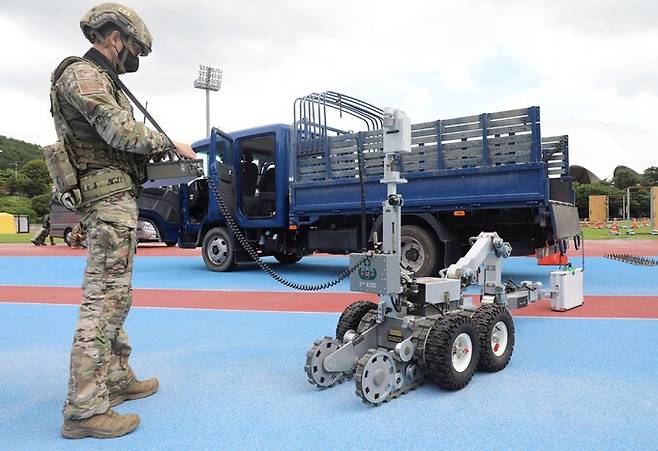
484, 319
351, 317
368, 320
438, 352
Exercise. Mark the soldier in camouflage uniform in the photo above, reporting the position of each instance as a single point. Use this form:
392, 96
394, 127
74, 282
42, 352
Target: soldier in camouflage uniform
44, 232
108, 150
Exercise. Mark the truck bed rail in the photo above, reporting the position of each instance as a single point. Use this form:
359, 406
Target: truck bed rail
555, 153
490, 139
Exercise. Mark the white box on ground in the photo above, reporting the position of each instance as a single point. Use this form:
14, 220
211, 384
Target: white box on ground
567, 288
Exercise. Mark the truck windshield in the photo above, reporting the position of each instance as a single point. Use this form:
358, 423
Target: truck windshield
203, 154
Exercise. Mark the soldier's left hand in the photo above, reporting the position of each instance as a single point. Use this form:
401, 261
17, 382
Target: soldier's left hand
185, 151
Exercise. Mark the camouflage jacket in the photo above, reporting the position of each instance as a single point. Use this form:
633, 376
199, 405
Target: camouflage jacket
100, 118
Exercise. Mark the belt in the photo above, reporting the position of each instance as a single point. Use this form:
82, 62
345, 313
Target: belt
103, 183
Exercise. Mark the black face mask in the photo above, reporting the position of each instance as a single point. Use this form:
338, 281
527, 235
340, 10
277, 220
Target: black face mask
128, 60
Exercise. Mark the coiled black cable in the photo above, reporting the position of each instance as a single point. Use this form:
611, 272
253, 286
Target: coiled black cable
262, 265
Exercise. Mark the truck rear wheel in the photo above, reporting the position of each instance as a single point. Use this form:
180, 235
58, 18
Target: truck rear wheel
496, 330
218, 250
419, 252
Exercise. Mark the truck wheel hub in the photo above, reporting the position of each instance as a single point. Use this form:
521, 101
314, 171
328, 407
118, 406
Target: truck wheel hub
218, 251
412, 254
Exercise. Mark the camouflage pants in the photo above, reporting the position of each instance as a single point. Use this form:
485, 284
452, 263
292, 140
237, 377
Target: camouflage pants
99, 357
40, 237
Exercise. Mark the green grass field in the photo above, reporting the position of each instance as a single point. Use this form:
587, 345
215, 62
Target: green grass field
641, 233
20, 238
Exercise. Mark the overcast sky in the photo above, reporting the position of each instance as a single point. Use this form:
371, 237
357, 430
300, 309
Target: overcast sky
590, 65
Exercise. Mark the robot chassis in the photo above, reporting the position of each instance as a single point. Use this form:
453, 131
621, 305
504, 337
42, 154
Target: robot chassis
420, 329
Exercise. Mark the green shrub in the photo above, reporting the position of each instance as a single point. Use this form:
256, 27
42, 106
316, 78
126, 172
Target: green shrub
41, 204
17, 205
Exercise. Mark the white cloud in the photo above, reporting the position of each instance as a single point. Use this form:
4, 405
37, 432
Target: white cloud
589, 64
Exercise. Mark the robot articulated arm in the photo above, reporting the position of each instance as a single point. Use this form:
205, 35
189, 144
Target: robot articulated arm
487, 249
483, 265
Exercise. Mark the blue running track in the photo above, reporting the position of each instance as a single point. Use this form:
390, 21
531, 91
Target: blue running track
235, 380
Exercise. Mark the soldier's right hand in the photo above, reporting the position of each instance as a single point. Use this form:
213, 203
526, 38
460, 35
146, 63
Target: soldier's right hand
184, 151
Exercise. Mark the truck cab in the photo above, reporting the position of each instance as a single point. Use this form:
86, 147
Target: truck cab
252, 169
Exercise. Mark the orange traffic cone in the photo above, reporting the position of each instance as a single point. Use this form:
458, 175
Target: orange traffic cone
553, 260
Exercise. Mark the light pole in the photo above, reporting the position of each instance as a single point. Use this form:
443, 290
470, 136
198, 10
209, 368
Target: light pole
210, 79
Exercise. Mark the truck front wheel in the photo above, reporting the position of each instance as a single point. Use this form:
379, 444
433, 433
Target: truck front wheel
419, 253
67, 236
218, 249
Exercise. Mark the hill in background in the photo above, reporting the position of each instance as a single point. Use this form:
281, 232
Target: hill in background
16, 151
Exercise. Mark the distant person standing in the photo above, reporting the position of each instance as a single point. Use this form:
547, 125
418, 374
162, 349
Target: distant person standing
44, 232
102, 151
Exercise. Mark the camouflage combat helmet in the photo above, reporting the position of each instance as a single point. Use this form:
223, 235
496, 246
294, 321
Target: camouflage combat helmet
125, 18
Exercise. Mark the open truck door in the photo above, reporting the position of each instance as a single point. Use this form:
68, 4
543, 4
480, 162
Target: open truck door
260, 166
198, 208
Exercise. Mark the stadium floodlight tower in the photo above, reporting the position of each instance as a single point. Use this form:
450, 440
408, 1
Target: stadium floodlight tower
210, 79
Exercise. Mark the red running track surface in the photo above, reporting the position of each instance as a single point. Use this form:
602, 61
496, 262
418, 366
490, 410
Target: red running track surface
62, 250
641, 307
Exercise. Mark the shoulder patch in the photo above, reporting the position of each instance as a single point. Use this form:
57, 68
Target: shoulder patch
89, 80
90, 86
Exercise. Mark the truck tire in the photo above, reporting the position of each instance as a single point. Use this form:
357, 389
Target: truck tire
67, 236
287, 259
419, 251
496, 332
352, 316
452, 351
218, 250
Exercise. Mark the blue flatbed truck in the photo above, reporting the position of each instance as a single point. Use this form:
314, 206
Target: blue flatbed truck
306, 188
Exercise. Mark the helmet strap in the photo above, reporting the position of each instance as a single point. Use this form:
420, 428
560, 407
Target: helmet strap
112, 54
121, 66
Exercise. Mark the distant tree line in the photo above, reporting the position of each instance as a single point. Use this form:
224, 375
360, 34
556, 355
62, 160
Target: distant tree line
615, 189
25, 184
24, 181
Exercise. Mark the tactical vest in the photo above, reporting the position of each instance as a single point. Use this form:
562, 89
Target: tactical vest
87, 150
